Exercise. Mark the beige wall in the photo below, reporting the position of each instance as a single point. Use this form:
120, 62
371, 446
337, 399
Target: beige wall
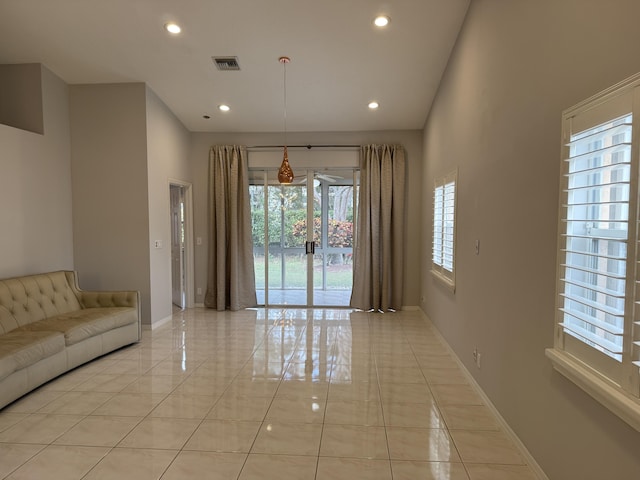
496, 117
168, 143
411, 140
110, 188
21, 96
35, 189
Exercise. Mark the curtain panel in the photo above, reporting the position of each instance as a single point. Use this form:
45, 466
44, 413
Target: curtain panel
378, 257
231, 281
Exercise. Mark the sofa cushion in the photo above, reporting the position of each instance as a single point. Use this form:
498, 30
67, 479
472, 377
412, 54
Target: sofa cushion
22, 349
28, 299
82, 324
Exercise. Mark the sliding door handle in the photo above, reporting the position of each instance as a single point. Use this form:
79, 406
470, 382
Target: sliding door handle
310, 248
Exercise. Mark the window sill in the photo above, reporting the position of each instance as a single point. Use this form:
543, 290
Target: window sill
610, 396
444, 280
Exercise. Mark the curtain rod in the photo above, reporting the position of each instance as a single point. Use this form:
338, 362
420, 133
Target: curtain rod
308, 147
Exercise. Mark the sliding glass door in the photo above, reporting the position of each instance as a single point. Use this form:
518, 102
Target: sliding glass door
303, 237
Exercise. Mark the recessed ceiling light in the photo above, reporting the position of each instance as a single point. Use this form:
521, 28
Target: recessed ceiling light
224, 108
172, 28
373, 105
381, 21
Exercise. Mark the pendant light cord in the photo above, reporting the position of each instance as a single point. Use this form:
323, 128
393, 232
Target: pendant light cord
285, 99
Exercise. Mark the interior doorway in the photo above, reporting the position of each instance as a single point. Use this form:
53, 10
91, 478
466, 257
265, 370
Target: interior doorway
296, 265
181, 240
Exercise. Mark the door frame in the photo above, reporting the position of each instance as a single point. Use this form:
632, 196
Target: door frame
189, 263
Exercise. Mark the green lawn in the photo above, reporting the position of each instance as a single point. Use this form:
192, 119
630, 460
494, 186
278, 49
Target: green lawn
338, 276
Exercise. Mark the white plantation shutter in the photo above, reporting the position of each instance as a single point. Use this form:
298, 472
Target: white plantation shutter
596, 236
444, 216
598, 285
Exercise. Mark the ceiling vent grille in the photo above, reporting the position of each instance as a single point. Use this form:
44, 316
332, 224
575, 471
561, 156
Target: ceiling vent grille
226, 63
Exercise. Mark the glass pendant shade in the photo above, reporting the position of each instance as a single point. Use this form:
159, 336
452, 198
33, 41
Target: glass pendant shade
285, 174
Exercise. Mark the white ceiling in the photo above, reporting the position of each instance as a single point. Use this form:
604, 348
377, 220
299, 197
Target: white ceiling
339, 60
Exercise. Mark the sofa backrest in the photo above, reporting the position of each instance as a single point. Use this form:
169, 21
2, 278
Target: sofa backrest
27, 299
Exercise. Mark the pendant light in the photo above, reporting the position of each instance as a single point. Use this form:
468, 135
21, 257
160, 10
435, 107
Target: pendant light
285, 174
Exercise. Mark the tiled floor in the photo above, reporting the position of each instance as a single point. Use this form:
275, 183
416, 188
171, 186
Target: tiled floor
263, 394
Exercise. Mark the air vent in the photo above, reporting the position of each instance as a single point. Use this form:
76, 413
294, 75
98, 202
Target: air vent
226, 63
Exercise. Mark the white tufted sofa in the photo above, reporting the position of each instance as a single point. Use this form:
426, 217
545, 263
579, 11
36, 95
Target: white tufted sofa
49, 326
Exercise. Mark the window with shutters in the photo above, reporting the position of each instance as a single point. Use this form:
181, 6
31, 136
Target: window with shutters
444, 226
597, 332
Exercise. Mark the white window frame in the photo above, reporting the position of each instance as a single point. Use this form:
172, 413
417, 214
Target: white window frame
445, 194
613, 380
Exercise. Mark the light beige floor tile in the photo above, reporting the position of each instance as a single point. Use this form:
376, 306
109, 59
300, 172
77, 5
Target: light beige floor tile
288, 439
281, 467
78, 403
129, 366
412, 470
132, 464
14, 455
422, 444
447, 376
354, 441
404, 360
421, 415
154, 384
353, 373
463, 394
304, 389
201, 385
437, 361
343, 412
429, 349
400, 375
469, 417
251, 388
500, 472
66, 382
330, 468
39, 428
130, 404
221, 368
223, 436
240, 408
205, 465
296, 410
175, 367
184, 406
356, 391
8, 419
406, 392
99, 431
163, 433
32, 402
70, 463
486, 447
298, 372
103, 382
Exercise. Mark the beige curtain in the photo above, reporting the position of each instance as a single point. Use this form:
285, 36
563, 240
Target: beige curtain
377, 276
231, 280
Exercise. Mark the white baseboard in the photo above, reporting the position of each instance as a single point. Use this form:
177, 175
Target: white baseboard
504, 426
158, 323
